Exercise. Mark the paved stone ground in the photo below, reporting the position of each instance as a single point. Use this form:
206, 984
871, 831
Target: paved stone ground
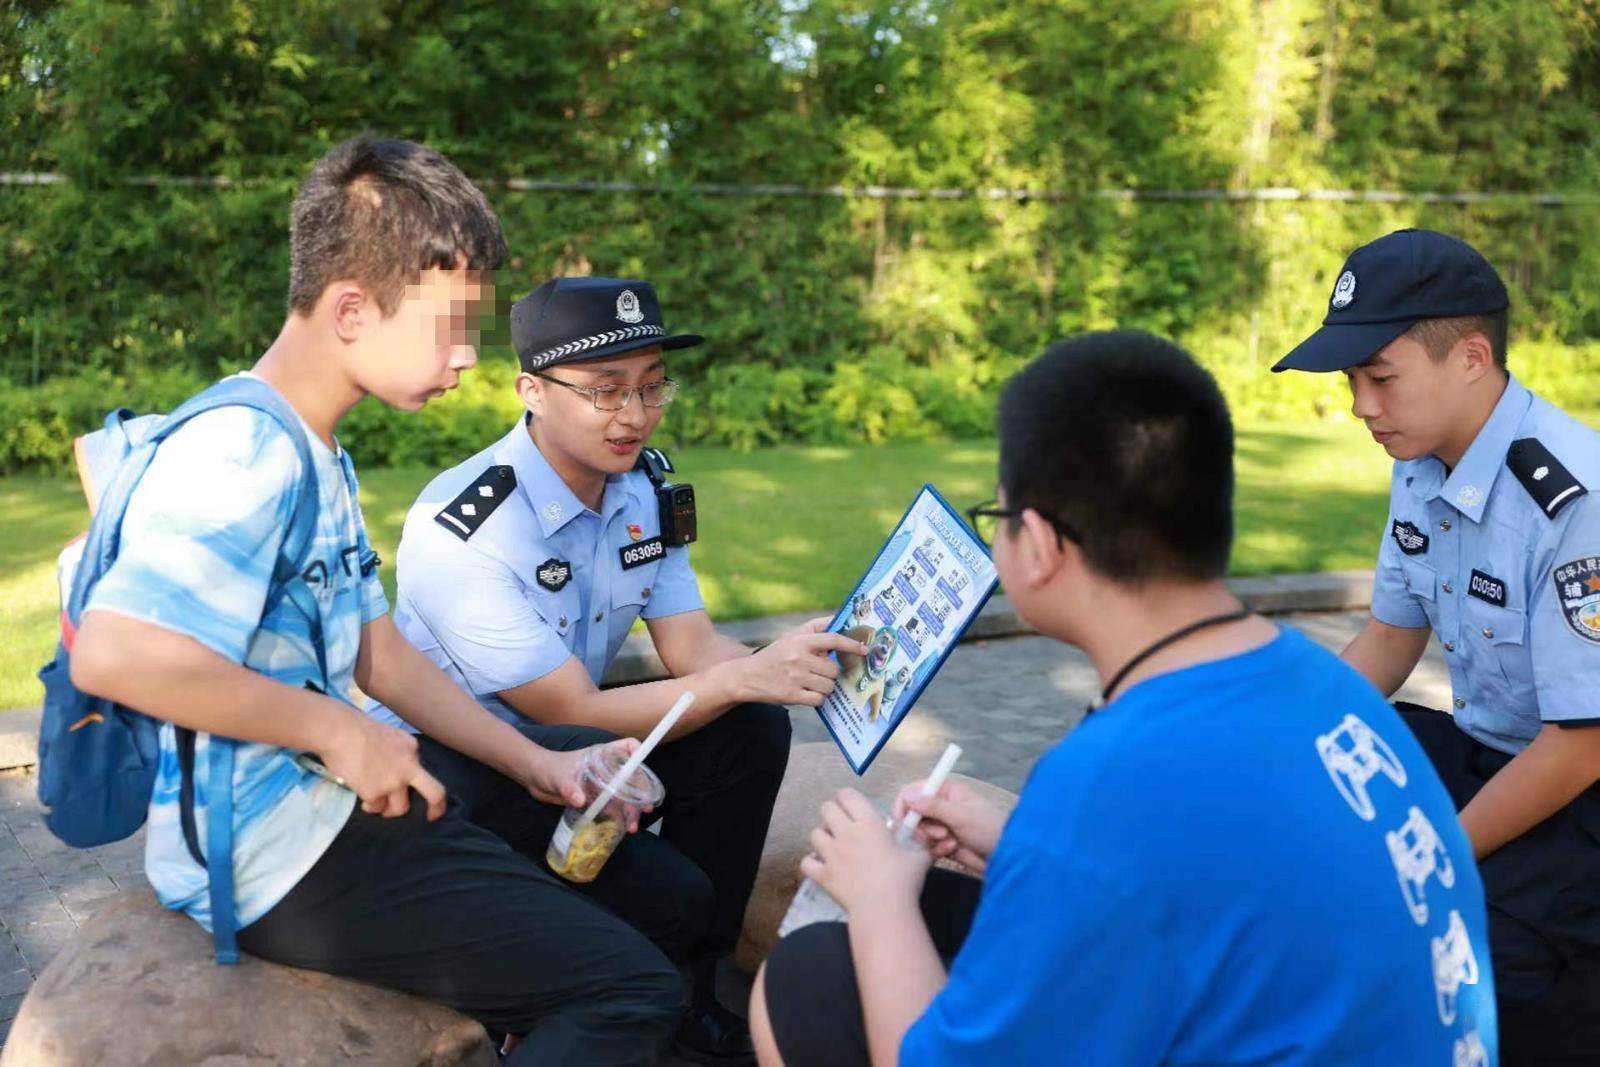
1005, 701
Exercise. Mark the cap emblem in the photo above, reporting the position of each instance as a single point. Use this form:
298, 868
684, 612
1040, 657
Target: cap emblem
1344, 291
628, 307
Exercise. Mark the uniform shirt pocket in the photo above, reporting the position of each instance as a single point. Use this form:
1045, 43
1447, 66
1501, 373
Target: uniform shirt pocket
1421, 580
633, 588
558, 610
1497, 637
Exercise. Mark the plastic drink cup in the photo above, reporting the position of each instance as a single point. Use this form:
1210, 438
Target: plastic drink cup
579, 849
811, 904
814, 904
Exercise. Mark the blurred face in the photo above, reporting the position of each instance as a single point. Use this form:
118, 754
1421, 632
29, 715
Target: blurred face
603, 441
420, 352
1413, 405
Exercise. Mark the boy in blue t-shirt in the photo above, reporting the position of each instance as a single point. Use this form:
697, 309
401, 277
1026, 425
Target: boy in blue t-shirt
391, 253
1241, 856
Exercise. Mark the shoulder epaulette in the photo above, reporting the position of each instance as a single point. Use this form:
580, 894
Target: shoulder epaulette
1550, 484
463, 515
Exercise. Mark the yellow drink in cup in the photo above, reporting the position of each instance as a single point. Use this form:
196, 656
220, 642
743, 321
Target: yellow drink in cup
579, 852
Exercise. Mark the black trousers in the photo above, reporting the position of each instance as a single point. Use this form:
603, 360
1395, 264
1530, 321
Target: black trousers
813, 1000
649, 883
722, 781
1543, 892
686, 889
450, 912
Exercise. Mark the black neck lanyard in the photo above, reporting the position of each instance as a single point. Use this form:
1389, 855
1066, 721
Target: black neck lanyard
1172, 638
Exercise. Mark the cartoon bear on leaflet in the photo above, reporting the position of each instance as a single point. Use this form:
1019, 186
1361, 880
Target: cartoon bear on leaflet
867, 679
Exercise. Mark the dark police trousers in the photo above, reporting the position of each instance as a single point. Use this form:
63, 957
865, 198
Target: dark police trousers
1543, 891
686, 889
466, 913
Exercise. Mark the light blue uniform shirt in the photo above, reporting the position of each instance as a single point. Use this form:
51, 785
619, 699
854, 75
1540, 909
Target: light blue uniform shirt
503, 573
1512, 591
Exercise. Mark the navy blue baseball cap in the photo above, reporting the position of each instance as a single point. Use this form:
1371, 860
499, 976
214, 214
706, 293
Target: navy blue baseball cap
1388, 286
570, 320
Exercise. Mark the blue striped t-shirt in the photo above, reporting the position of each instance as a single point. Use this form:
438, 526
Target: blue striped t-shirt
199, 540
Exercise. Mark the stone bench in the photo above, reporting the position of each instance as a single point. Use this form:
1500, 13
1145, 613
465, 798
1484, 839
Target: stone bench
817, 771
138, 984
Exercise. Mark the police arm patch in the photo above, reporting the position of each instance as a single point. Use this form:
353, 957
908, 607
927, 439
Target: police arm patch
1550, 484
463, 515
1578, 594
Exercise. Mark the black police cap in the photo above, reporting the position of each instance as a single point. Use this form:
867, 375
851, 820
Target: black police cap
570, 320
1388, 286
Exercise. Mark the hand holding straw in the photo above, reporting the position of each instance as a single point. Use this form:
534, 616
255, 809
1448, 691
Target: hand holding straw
668, 721
941, 771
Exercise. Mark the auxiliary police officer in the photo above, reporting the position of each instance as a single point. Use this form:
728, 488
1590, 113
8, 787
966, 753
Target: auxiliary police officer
1492, 543
521, 571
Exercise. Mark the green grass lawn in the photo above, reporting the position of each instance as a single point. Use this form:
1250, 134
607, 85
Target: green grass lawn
786, 529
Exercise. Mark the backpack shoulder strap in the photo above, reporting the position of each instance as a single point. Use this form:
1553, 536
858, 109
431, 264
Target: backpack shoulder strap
240, 391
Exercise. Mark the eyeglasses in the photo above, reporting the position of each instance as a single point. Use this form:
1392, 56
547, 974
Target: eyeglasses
657, 394
985, 520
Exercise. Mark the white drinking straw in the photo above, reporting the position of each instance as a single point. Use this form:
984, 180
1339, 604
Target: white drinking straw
667, 722
941, 771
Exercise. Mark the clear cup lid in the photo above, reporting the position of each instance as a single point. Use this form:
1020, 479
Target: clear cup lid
642, 788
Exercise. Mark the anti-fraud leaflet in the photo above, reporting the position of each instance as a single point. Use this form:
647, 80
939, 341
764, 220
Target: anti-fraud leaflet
910, 608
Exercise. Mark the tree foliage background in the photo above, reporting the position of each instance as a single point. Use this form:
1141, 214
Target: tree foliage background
830, 318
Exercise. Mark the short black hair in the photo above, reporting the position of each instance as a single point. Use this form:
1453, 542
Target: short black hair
379, 212
1439, 336
1124, 438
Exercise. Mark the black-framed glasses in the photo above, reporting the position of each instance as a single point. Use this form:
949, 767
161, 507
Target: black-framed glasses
656, 394
985, 519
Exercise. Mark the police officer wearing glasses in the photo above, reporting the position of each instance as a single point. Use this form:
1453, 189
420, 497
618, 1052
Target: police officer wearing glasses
1492, 542
521, 571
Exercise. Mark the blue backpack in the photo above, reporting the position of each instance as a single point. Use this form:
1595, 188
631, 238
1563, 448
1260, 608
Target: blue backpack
97, 759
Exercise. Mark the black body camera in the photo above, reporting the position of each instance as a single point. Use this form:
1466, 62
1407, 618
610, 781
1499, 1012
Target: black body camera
675, 503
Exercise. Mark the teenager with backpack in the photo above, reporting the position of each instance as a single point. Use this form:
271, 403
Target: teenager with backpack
201, 609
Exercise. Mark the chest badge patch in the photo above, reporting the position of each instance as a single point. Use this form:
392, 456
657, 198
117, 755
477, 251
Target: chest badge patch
554, 574
1578, 593
635, 531
1411, 540
1488, 588
644, 552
